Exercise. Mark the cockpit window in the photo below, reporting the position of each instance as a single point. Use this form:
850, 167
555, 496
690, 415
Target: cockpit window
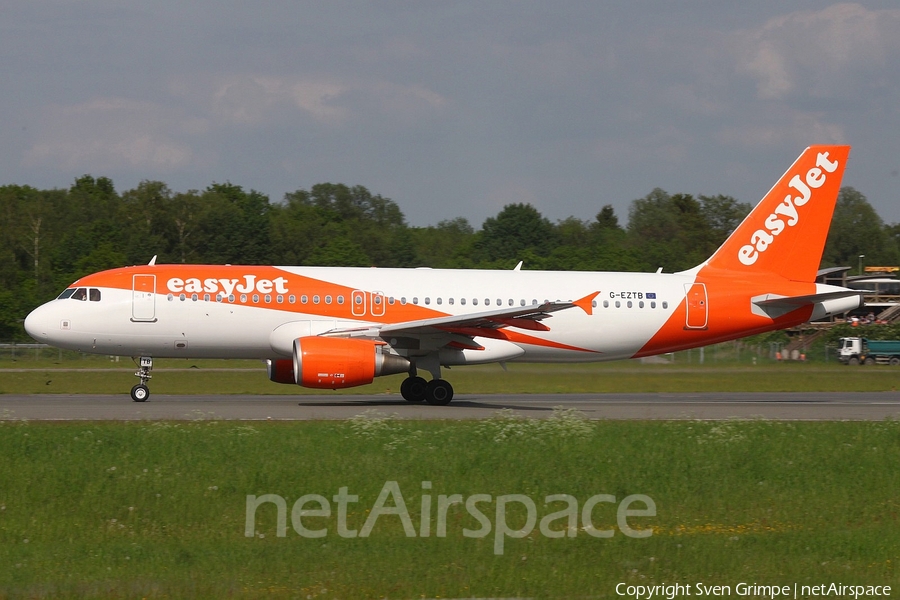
95, 295
66, 293
80, 294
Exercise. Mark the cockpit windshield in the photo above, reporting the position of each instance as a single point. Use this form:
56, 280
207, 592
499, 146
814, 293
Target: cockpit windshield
92, 294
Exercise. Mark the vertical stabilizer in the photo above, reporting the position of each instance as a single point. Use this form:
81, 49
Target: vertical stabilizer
785, 234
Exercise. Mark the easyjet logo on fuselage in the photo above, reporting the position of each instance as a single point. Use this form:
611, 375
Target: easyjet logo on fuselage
774, 223
249, 283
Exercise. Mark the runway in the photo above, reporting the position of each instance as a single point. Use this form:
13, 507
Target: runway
721, 405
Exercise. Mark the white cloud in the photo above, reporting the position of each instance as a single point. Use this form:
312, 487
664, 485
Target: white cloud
824, 53
108, 133
248, 99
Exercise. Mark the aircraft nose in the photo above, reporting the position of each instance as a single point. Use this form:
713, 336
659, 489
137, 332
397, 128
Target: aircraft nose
36, 324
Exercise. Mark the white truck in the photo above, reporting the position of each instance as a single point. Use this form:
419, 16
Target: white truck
862, 351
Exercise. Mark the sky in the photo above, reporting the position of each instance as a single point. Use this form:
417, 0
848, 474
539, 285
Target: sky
451, 109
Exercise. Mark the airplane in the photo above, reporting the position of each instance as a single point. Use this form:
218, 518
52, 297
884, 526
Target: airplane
339, 327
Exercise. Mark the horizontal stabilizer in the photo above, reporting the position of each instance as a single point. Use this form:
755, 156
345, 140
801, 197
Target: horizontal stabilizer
775, 305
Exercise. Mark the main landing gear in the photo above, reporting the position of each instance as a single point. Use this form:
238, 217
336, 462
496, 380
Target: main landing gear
141, 392
437, 392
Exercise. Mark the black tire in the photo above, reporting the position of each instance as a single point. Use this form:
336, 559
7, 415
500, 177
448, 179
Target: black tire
894, 361
140, 393
869, 361
853, 361
439, 392
413, 389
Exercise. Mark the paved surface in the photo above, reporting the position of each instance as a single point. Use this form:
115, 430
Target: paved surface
794, 406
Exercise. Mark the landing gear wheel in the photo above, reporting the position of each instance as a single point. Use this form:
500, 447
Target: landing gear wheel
438, 392
413, 389
140, 393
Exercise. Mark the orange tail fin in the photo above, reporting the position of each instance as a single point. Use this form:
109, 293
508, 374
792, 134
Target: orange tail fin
785, 234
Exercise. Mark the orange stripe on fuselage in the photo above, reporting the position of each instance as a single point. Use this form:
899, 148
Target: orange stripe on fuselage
293, 284
730, 315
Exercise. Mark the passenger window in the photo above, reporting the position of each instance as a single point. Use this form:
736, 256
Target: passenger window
182, 297
606, 304
427, 300
593, 303
279, 298
439, 301
243, 297
292, 299
218, 297
315, 299
474, 301
450, 301
415, 299
665, 304
268, 298
194, 297
80, 294
653, 305
641, 304
487, 301
255, 298
206, 297
403, 300
462, 301
391, 300
618, 304
304, 299
95, 295
522, 302
328, 299
340, 299
629, 304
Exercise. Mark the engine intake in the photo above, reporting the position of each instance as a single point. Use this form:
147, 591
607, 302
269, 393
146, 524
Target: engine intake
334, 363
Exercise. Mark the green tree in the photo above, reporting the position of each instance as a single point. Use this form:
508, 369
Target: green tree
516, 229
857, 229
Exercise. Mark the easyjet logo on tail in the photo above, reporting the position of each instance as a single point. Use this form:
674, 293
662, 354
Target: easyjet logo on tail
787, 214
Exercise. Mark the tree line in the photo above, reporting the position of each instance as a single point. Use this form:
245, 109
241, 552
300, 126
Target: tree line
49, 238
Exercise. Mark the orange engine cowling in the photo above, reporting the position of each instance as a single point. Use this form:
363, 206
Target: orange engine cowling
332, 363
281, 370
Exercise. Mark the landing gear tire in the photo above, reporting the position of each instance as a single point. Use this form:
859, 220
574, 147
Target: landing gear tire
438, 392
413, 389
140, 393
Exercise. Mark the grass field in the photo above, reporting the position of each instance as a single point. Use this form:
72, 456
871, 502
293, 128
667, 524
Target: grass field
159, 509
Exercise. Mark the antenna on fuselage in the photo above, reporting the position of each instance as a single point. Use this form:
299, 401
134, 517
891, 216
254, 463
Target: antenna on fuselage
518, 266
152, 261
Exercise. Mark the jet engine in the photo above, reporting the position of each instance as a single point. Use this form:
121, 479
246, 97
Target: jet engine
333, 363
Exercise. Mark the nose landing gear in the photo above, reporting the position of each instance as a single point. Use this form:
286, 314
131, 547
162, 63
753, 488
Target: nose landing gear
141, 392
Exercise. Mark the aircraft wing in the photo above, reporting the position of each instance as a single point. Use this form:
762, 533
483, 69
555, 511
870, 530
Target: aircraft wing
471, 324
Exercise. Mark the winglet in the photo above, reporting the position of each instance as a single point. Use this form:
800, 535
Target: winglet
586, 303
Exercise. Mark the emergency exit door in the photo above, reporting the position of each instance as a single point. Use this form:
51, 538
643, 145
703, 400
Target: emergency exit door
697, 306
